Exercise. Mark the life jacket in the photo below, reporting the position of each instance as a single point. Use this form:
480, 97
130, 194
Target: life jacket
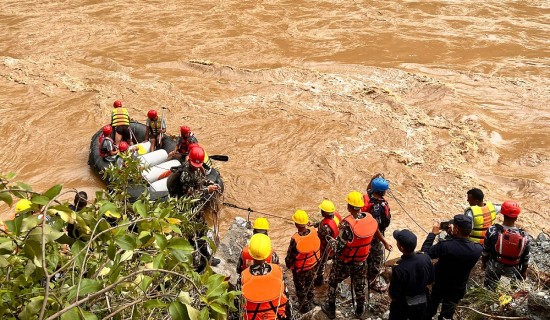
357, 250
264, 294
248, 260
155, 126
103, 147
383, 220
332, 223
484, 217
120, 117
510, 245
183, 143
309, 251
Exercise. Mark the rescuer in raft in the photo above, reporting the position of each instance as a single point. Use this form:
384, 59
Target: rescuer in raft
154, 128
107, 148
120, 121
185, 142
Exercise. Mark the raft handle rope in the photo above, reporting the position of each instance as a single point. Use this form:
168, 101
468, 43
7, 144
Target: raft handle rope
399, 203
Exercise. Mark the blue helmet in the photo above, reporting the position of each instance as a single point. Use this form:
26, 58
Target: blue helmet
379, 185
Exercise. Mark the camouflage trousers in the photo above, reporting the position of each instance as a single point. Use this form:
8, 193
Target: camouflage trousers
375, 259
340, 271
494, 271
303, 282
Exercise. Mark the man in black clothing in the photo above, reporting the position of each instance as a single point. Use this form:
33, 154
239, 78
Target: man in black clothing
457, 256
409, 279
80, 202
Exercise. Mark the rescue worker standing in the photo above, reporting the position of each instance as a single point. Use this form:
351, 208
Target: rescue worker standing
302, 257
506, 248
328, 227
120, 121
482, 213
261, 225
409, 279
182, 148
352, 249
378, 207
107, 147
153, 129
262, 284
189, 179
457, 256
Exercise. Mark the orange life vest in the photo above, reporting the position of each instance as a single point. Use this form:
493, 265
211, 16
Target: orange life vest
357, 250
309, 251
264, 294
248, 260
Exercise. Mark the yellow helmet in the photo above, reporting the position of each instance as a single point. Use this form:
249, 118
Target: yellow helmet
327, 206
355, 199
22, 205
259, 246
261, 224
300, 217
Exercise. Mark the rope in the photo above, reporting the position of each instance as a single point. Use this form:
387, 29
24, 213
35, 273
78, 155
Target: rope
399, 203
254, 211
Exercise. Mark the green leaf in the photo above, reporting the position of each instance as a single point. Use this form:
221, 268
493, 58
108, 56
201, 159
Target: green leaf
31, 310
14, 226
161, 241
216, 285
182, 256
3, 262
10, 175
89, 316
126, 242
29, 222
6, 197
53, 191
108, 206
75, 249
87, 286
145, 283
176, 229
111, 251
24, 186
158, 261
139, 208
177, 311
72, 314
155, 303
40, 200
180, 244
203, 315
33, 251
50, 233
219, 309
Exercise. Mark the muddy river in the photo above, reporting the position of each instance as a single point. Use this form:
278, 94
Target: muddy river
307, 98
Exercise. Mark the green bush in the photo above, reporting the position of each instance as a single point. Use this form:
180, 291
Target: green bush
139, 267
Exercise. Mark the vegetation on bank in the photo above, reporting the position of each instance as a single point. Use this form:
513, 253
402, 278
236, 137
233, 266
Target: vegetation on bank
128, 261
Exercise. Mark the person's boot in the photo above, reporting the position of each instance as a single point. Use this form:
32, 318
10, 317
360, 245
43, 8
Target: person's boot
319, 281
305, 308
377, 285
329, 309
360, 312
214, 261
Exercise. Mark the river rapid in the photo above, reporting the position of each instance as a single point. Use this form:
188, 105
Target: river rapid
309, 99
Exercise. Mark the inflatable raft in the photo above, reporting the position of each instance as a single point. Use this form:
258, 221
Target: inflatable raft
156, 176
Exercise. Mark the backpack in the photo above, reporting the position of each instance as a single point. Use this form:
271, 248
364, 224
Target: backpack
384, 219
510, 245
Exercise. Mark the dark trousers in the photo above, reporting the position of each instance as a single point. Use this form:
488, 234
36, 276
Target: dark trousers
448, 298
303, 282
340, 271
399, 310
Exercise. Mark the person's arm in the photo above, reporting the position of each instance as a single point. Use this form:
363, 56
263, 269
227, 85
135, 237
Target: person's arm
381, 237
524, 260
427, 246
395, 290
240, 264
162, 126
290, 254
111, 150
274, 258
487, 245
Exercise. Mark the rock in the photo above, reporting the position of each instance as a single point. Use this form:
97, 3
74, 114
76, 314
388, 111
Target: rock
386, 315
230, 249
542, 237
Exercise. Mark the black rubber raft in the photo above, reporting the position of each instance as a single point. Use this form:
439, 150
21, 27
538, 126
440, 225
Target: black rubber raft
98, 164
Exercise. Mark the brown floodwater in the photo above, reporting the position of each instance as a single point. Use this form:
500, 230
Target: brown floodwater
307, 98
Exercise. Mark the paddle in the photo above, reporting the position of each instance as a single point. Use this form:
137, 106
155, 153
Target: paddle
219, 157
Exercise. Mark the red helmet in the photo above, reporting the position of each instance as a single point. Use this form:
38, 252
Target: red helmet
123, 146
107, 130
185, 130
192, 145
117, 104
152, 114
196, 156
510, 209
